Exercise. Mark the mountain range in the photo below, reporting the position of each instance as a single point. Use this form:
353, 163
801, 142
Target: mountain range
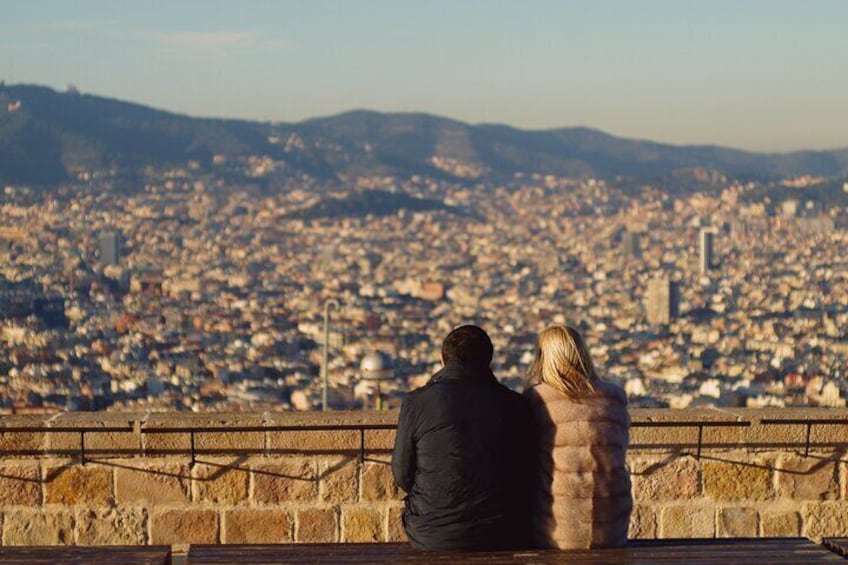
46, 136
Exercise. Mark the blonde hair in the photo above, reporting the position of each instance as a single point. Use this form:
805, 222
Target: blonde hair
563, 362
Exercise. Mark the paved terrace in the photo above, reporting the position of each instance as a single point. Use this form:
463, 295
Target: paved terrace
175, 479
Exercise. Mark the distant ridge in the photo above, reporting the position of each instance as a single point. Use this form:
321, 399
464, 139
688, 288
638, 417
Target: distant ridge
50, 135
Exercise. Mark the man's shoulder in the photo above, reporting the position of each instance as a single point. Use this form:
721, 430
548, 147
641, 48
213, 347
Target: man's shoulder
513, 400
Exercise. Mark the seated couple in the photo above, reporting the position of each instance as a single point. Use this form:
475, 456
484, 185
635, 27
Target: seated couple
486, 468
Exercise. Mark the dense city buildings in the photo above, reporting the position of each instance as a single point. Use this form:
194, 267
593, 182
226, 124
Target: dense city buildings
212, 294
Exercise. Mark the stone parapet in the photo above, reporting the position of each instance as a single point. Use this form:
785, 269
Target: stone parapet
280, 477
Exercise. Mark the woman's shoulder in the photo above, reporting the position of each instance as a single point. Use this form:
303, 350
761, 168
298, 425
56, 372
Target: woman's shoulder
605, 391
542, 393
611, 391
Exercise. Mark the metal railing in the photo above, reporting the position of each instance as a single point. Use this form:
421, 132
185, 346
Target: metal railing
83, 453
192, 430
700, 424
806, 422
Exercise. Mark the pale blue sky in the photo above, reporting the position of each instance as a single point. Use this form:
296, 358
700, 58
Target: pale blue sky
757, 74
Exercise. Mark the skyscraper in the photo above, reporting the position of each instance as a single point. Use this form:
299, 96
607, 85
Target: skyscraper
662, 300
707, 245
110, 248
630, 245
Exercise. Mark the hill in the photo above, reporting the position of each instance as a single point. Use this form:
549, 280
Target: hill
46, 136
374, 202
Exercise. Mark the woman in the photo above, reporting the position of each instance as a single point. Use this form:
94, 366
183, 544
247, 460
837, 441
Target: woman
583, 497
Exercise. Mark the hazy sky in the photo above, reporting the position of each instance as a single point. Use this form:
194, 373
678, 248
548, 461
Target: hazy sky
763, 75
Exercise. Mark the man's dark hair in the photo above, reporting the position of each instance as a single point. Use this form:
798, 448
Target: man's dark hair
468, 345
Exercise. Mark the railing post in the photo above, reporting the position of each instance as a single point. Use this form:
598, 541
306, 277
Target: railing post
807, 441
191, 439
82, 447
700, 441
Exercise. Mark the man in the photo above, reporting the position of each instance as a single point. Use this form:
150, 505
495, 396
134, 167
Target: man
463, 454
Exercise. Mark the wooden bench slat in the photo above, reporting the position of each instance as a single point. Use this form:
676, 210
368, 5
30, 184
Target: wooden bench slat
708, 551
73, 555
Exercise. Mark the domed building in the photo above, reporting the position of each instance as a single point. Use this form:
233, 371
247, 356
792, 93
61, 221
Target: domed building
376, 366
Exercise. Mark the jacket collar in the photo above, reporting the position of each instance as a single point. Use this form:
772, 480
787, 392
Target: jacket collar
457, 371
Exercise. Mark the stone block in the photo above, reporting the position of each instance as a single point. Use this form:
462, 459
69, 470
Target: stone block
164, 444
155, 441
825, 519
774, 436
251, 525
96, 443
670, 437
657, 479
737, 481
724, 437
737, 523
829, 435
687, 521
643, 523
72, 484
21, 443
379, 441
223, 482
113, 443
394, 530
378, 484
232, 442
362, 524
328, 442
221, 440
317, 525
332, 442
663, 438
339, 480
112, 526
20, 484
152, 484
807, 478
181, 526
38, 527
285, 480
780, 524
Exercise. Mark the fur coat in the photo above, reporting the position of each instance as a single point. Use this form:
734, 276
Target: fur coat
583, 497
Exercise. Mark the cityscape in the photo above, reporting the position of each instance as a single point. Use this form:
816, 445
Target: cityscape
198, 290
247, 252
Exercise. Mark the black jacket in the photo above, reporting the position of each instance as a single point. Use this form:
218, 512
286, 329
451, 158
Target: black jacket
463, 453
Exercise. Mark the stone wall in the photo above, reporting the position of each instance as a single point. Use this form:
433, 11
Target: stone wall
258, 486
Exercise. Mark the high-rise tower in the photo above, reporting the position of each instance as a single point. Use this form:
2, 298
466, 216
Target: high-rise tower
630, 245
662, 300
707, 247
110, 248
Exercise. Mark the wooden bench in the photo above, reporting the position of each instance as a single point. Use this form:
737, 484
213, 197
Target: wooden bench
795, 551
82, 555
839, 545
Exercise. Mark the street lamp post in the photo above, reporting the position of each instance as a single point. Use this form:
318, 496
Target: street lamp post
331, 303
